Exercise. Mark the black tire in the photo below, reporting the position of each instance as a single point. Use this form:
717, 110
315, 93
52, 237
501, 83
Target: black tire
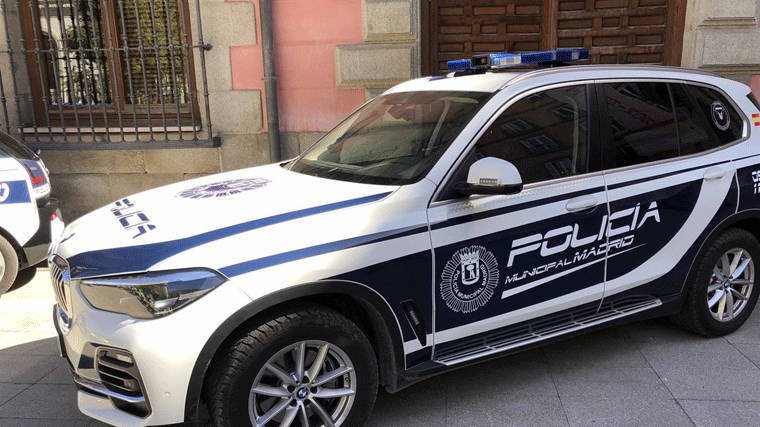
8, 265
230, 384
697, 314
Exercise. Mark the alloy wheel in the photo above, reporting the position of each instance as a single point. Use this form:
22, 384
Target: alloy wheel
731, 284
310, 383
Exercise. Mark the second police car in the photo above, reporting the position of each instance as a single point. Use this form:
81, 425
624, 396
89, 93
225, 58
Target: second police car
447, 221
29, 217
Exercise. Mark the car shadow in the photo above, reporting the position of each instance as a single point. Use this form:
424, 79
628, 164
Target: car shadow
25, 276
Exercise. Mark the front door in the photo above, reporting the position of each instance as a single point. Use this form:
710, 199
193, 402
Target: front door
507, 260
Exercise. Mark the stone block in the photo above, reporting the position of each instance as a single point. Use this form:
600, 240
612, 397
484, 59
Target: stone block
307, 139
743, 43
503, 410
57, 161
375, 66
155, 180
218, 71
244, 151
41, 402
289, 145
236, 112
229, 24
693, 384
107, 161
188, 160
626, 411
79, 194
717, 413
388, 20
731, 9
126, 184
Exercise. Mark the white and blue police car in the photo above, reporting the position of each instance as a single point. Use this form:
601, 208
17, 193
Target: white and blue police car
29, 217
449, 220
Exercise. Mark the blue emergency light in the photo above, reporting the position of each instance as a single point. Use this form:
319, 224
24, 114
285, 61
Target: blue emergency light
503, 60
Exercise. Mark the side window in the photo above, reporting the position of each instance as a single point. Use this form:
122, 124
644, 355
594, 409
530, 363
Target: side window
642, 121
723, 122
692, 125
545, 135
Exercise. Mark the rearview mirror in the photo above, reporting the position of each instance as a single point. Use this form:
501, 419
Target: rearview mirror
491, 176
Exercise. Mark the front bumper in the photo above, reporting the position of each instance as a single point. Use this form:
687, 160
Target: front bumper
163, 351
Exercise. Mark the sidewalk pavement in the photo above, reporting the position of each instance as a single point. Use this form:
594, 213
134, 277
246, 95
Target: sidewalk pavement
642, 374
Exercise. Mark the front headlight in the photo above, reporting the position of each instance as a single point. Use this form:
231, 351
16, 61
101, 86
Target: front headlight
149, 295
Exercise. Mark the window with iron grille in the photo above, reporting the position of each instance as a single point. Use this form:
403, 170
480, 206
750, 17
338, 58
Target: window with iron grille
111, 72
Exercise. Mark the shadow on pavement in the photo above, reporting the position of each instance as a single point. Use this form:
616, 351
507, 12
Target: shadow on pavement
24, 277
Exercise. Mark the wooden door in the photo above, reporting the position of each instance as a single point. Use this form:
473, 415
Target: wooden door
616, 31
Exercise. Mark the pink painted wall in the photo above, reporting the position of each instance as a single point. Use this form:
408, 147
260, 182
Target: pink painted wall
755, 85
306, 33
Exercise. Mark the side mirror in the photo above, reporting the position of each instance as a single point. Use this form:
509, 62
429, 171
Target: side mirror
491, 176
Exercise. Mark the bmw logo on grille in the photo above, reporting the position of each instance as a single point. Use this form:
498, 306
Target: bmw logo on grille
223, 188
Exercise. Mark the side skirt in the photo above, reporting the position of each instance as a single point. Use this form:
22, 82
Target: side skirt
538, 332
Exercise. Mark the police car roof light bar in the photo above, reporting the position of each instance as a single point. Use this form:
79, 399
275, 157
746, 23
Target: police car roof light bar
504, 60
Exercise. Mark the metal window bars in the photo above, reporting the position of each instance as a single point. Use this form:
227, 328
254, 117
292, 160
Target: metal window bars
100, 74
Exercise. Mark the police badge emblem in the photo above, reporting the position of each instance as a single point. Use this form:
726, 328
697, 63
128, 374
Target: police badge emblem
469, 278
223, 188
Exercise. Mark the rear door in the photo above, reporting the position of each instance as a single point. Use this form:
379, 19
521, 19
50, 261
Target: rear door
668, 181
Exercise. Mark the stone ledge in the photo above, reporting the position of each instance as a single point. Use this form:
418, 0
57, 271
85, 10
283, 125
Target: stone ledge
374, 65
728, 23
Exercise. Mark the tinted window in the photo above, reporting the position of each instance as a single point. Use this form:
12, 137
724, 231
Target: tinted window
724, 124
642, 121
691, 123
545, 135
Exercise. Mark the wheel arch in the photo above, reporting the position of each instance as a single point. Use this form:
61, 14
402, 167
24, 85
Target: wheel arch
359, 303
16, 246
748, 220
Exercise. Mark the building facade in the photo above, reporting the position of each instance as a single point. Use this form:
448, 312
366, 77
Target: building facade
126, 95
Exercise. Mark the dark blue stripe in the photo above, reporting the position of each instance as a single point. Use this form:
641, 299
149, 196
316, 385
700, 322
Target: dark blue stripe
15, 192
140, 258
258, 264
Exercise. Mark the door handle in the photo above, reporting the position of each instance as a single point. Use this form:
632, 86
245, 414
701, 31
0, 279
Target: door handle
581, 203
714, 173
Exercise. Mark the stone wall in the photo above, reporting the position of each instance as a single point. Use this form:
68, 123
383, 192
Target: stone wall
390, 53
86, 180
723, 36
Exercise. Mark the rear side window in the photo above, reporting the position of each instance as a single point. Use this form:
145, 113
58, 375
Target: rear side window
9, 147
642, 121
545, 135
692, 125
723, 123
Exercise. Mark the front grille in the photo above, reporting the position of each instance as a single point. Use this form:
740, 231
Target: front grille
119, 374
60, 278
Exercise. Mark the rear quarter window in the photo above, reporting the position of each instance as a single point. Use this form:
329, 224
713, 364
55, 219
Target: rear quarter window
720, 120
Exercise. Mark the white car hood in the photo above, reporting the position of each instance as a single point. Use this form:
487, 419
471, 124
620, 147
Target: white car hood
139, 231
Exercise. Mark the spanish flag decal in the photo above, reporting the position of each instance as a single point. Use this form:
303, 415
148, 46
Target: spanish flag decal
756, 119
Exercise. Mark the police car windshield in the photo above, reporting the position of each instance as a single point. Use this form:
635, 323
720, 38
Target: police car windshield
394, 139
